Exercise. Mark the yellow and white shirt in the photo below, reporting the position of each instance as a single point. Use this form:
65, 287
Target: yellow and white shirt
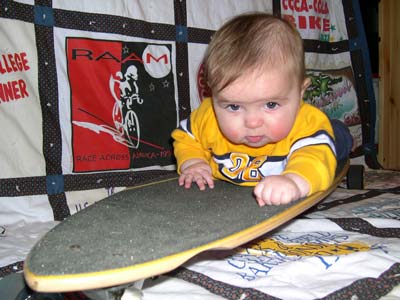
307, 151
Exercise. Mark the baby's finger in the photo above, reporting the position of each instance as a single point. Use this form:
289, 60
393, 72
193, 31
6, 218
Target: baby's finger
185, 180
286, 198
260, 202
258, 189
181, 180
210, 182
200, 182
208, 179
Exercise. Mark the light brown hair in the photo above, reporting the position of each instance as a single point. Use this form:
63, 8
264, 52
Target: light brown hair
249, 42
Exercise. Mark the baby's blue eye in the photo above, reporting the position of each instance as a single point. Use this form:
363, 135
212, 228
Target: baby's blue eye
271, 105
233, 107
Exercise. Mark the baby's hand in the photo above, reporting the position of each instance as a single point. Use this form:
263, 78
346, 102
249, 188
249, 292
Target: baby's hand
280, 189
196, 170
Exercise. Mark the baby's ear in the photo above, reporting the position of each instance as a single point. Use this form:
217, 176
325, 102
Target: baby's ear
305, 85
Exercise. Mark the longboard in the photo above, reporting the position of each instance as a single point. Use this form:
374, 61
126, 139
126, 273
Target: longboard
152, 229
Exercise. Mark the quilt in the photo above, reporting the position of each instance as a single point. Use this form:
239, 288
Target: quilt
91, 90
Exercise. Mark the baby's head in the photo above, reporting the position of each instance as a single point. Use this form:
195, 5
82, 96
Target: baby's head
255, 69
252, 42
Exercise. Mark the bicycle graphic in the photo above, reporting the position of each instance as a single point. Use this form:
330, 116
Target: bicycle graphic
125, 119
126, 129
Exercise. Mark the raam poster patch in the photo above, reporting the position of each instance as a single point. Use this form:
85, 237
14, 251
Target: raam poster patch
123, 106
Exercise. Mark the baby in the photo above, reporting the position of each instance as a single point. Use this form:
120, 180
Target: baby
256, 130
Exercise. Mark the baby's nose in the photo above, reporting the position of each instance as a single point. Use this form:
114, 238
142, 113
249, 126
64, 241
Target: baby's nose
253, 120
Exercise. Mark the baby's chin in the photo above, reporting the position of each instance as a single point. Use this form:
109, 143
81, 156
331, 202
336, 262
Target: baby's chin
255, 144
252, 142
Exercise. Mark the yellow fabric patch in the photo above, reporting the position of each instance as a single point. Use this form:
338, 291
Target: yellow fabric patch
306, 249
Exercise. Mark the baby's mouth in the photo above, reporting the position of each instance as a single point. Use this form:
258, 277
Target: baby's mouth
253, 139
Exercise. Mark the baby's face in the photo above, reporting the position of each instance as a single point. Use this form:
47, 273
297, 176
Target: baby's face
259, 107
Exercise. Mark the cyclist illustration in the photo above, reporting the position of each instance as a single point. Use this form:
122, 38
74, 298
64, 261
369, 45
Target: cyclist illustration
126, 129
124, 117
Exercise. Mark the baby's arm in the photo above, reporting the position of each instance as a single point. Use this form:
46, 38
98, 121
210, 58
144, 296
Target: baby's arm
281, 189
196, 170
192, 146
